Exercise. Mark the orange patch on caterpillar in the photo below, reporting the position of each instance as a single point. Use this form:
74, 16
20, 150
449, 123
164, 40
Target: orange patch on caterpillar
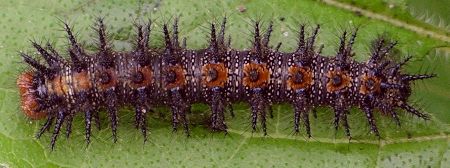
144, 79
81, 81
338, 80
256, 75
57, 86
175, 77
28, 101
60, 84
107, 79
300, 78
370, 84
214, 75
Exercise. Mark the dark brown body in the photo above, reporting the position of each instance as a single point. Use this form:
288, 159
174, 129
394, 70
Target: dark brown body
218, 76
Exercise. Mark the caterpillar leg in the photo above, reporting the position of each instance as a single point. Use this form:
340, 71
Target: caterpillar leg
112, 112
87, 125
59, 122
218, 112
179, 109
46, 126
371, 119
69, 124
141, 120
258, 110
345, 123
305, 118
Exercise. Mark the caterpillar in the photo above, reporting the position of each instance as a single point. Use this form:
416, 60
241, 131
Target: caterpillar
218, 75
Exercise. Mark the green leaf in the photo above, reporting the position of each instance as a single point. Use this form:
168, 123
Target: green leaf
417, 143
436, 13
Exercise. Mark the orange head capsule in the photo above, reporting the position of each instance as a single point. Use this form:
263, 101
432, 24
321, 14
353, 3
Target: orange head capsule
29, 104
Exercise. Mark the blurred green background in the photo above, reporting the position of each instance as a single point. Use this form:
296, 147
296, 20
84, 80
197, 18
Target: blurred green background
421, 27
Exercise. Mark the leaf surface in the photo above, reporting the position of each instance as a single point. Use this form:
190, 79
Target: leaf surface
416, 144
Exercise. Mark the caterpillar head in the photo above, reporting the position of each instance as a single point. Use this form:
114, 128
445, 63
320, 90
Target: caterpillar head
30, 92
